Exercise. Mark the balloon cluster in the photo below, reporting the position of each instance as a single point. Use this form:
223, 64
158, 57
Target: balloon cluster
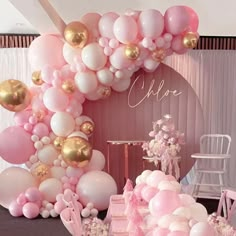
51, 134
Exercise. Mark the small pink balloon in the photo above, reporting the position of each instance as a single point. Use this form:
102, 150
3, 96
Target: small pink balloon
138, 190
15, 209
30, 210
22, 117
59, 206
179, 233
160, 232
125, 29
42, 52
21, 199
33, 194
41, 130
106, 23
177, 45
148, 193
47, 74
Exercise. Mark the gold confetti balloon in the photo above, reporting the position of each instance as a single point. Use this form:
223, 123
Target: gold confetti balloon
14, 95
87, 127
159, 55
40, 171
76, 151
190, 40
76, 34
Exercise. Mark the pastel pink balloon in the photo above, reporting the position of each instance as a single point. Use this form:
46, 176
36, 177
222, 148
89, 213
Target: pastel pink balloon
59, 206
180, 233
138, 189
33, 194
97, 161
30, 210
148, 193
194, 21
13, 182
151, 23
91, 22
42, 52
21, 199
203, 229
125, 29
47, 74
15, 209
40, 130
160, 232
106, 23
22, 117
55, 99
161, 204
119, 60
37, 103
177, 45
16, 145
177, 20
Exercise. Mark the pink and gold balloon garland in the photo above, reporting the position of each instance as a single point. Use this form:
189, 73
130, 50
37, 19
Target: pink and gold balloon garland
50, 136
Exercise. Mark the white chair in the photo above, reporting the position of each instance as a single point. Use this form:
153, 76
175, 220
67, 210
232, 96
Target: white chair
211, 165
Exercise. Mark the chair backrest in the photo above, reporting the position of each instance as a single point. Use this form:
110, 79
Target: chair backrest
227, 203
215, 143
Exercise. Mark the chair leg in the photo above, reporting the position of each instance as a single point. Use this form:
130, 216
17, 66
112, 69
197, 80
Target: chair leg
196, 183
221, 181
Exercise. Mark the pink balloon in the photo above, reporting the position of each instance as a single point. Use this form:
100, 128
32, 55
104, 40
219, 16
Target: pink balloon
138, 190
40, 130
22, 117
42, 52
161, 204
180, 233
148, 193
55, 99
47, 74
16, 146
106, 23
59, 206
91, 22
203, 229
33, 194
151, 23
125, 29
30, 210
160, 232
13, 182
21, 199
15, 209
155, 178
177, 45
176, 20
194, 21
119, 60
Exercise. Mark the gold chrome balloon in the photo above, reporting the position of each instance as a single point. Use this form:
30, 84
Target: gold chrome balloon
58, 141
14, 95
68, 86
76, 34
40, 171
87, 127
190, 40
132, 51
36, 78
76, 151
159, 55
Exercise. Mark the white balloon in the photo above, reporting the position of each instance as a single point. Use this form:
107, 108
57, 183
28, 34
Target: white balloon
70, 53
169, 185
183, 211
138, 180
97, 161
105, 76
150, 64
198, 212
121, 85
145, 174
78, 134
62, 123
186, 199
50, 188
93, 56
166, 220
93, 96
86, 82
202, 229
96, 187
57, 172
74, 172
47, 154
179, 226
81, 119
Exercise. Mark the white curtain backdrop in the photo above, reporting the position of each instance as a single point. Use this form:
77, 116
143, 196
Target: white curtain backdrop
212, 74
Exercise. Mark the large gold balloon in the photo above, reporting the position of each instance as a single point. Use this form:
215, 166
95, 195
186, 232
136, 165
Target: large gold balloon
76, 151
190, 40
159, 55
68, 86
14, 95
132, 51
36, 78
76, 34
87, 127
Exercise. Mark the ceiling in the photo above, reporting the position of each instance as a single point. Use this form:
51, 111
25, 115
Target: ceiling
29, 17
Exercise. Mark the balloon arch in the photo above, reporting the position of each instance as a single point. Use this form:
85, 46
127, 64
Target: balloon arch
98, 55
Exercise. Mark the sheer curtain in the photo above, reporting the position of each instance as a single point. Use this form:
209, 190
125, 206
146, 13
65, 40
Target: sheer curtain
211, 73
13, 65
